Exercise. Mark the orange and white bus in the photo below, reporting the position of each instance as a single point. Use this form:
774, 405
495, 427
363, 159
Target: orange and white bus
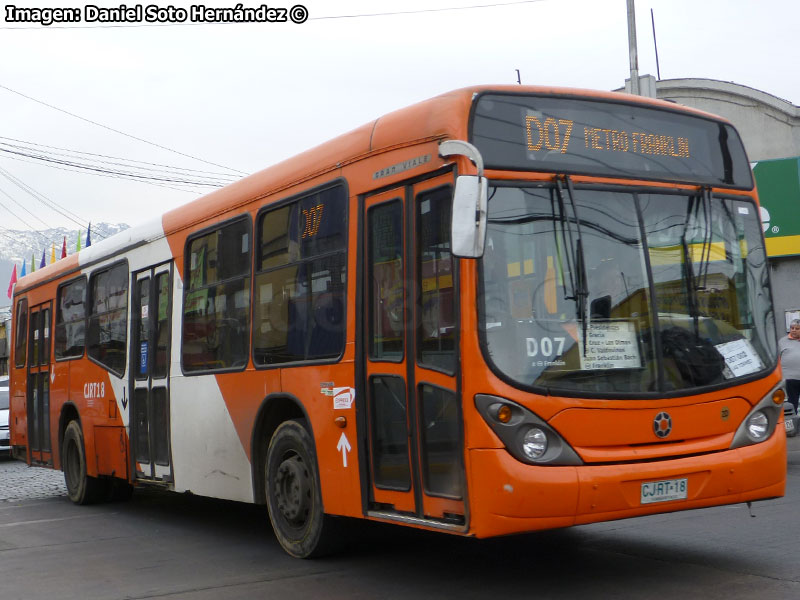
500, 310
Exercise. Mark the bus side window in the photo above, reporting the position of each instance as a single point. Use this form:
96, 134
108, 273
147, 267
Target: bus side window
33, 343
20, 347
436, 308
386, 288
70, 319
161, 359
300, 281
108, 319
216, 306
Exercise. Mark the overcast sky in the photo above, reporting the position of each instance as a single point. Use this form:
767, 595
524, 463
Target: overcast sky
244, 96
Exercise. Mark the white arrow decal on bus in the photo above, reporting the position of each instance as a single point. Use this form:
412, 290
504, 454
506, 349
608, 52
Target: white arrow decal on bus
344, 447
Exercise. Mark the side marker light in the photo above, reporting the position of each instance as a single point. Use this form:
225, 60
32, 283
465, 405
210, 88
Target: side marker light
778, 396
504, 413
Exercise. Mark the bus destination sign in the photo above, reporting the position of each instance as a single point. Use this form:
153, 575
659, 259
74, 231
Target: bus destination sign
555, 135
601, 137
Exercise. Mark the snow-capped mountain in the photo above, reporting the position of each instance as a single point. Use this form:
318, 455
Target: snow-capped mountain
17, 246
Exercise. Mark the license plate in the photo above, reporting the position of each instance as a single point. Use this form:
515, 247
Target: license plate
789, 425
664, 491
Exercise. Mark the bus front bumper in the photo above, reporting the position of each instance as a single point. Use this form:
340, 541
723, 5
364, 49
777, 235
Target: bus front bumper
512, 497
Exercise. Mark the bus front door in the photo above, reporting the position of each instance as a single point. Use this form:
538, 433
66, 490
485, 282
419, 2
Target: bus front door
150, 360
38, 399
414, 425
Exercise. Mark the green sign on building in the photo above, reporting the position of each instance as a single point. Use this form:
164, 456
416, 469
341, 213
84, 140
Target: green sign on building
778, 184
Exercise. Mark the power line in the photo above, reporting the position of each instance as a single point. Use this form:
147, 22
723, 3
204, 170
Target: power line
424, 10
138, 171
66, 112
23, 221
324, 18
47, 202
126, 160
7, 195
187, 187
99, 169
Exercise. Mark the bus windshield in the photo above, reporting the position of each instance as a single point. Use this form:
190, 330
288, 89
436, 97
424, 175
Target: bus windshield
606, 291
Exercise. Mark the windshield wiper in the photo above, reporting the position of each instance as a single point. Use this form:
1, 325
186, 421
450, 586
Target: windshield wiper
575, 256
695, 283
562, 242
691, 290
705, 253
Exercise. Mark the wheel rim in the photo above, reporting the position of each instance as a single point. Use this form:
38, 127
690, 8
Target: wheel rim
293, 490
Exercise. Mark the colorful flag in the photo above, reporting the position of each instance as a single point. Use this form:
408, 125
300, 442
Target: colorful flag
43, 262
53, 254
33, 262
22, 273
79, 241
13, 281
64, 248
89, 235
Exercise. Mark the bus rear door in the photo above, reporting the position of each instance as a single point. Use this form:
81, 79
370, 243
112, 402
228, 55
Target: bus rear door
38, 389
150, 362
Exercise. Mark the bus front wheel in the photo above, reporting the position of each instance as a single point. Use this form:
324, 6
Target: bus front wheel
81, 488
293, 493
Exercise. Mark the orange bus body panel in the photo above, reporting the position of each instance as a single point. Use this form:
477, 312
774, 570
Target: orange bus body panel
562, 496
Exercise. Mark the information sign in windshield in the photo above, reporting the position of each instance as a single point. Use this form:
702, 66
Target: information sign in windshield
594, 137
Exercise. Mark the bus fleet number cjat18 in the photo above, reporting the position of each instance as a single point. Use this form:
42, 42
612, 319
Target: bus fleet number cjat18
94, 390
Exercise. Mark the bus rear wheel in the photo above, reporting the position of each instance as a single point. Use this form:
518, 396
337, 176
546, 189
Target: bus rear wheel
81, 488
294, 499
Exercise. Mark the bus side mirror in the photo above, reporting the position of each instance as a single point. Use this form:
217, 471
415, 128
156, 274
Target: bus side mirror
468, 233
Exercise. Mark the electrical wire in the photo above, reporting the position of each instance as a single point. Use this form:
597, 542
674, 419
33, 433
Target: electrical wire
186, 188
38, 218
323, 18
66, 112
21, 220
121, 173
223, 178
49, 203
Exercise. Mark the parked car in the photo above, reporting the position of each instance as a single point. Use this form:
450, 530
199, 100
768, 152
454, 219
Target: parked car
5, 447
791, 420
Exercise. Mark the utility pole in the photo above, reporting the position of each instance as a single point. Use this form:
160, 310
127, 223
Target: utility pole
632, 48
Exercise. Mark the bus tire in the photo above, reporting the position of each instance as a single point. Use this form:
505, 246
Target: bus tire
294, 498
81, 488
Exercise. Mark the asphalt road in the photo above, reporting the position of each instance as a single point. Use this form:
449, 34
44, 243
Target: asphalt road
161, 545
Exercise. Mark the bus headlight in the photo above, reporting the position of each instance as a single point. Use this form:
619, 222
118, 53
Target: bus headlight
758, 425
760, 422
534, 443
526, 436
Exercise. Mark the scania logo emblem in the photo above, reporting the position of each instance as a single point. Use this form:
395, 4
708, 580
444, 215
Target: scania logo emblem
662, 425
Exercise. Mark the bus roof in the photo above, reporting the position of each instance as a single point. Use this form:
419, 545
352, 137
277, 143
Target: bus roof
442, 117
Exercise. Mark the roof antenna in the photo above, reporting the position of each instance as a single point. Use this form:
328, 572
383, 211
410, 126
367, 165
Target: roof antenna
655, 44
519, 81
